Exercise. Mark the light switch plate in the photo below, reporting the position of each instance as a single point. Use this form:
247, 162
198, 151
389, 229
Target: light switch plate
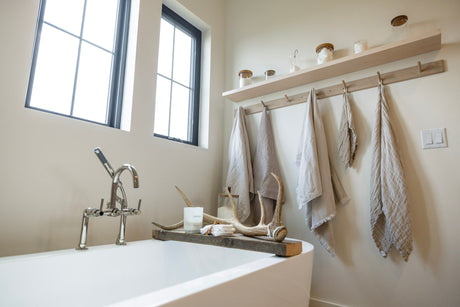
433, 138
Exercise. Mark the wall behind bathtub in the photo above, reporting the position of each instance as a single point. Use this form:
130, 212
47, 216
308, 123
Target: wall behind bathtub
50, 173
260, 35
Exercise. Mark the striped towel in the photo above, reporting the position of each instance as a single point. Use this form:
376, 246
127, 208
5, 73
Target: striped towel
390, 219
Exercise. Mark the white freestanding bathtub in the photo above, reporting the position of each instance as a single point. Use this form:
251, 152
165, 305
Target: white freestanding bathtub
156, 273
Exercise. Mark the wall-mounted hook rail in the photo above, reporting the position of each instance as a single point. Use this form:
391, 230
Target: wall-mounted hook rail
414, 72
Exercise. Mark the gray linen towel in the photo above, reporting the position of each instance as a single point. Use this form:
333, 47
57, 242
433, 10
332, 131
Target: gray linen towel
390, 219
265, 162
239, 176
347, 141
341, 197
314, 186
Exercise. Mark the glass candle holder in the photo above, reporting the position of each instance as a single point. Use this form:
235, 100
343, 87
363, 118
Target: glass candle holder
293, 61
193, 219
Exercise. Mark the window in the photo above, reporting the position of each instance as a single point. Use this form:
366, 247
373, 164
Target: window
79, 58
178, 79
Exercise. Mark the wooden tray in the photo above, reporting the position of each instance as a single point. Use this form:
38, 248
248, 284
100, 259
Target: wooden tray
286, 248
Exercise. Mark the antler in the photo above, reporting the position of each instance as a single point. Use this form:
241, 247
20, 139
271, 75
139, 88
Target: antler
274, 229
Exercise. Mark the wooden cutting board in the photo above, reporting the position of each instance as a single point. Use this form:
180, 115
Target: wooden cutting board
286, 248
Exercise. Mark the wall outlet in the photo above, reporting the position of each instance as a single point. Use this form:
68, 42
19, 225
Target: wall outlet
433, 138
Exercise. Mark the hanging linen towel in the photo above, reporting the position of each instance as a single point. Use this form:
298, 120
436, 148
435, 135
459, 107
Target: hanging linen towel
265, 162
390, 219
239, 175
341, 197
347, 141
314, 187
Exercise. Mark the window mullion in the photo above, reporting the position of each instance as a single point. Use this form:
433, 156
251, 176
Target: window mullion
191, 94
35, 52
172, 81
115, 96
78, 59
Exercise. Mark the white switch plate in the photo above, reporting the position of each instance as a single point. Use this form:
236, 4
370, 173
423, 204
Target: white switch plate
433, 138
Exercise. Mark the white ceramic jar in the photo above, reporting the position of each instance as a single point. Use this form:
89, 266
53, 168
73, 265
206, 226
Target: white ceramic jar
245, 77
324, 53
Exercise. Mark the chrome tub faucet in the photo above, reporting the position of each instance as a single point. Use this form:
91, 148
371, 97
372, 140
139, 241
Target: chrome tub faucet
111, 207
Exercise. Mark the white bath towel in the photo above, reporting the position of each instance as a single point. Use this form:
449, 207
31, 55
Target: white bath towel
314, 186
239, 176
390, 219
265, 162
218, 230
347, 141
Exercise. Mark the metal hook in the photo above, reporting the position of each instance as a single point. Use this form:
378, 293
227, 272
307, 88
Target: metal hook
262, 102
380, 78
419, 67
287, 98
345, 89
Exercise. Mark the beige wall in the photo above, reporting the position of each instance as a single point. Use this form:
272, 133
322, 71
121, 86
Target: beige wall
50, 173
259, 36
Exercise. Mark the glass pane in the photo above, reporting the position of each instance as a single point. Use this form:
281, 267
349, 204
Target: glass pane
166, 48
182, 56
161, 122
55, 71
65, 14
100, 20
93, 80
179, 112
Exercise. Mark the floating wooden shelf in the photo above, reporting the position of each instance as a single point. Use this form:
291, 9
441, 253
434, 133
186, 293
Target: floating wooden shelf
369, 58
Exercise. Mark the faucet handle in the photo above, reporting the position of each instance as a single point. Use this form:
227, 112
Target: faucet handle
101, 207
132, 211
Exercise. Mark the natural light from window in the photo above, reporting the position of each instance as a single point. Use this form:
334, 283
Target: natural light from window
173, 95
75, 58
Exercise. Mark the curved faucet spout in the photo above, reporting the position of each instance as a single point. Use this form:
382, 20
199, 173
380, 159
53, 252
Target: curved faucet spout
116, 182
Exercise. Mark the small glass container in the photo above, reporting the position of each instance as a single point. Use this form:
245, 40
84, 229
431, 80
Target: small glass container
245, 77
293, 61
225, 206
193, 219
360, 46
269, 73
324, 53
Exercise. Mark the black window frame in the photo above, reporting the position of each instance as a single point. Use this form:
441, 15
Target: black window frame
116, 85
195, 87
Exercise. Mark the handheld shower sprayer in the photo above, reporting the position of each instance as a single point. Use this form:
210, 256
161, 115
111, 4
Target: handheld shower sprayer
105, 163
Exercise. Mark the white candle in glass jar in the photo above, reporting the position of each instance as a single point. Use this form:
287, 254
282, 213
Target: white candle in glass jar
193, 219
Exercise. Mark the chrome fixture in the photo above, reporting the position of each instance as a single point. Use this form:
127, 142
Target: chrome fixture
111, 207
